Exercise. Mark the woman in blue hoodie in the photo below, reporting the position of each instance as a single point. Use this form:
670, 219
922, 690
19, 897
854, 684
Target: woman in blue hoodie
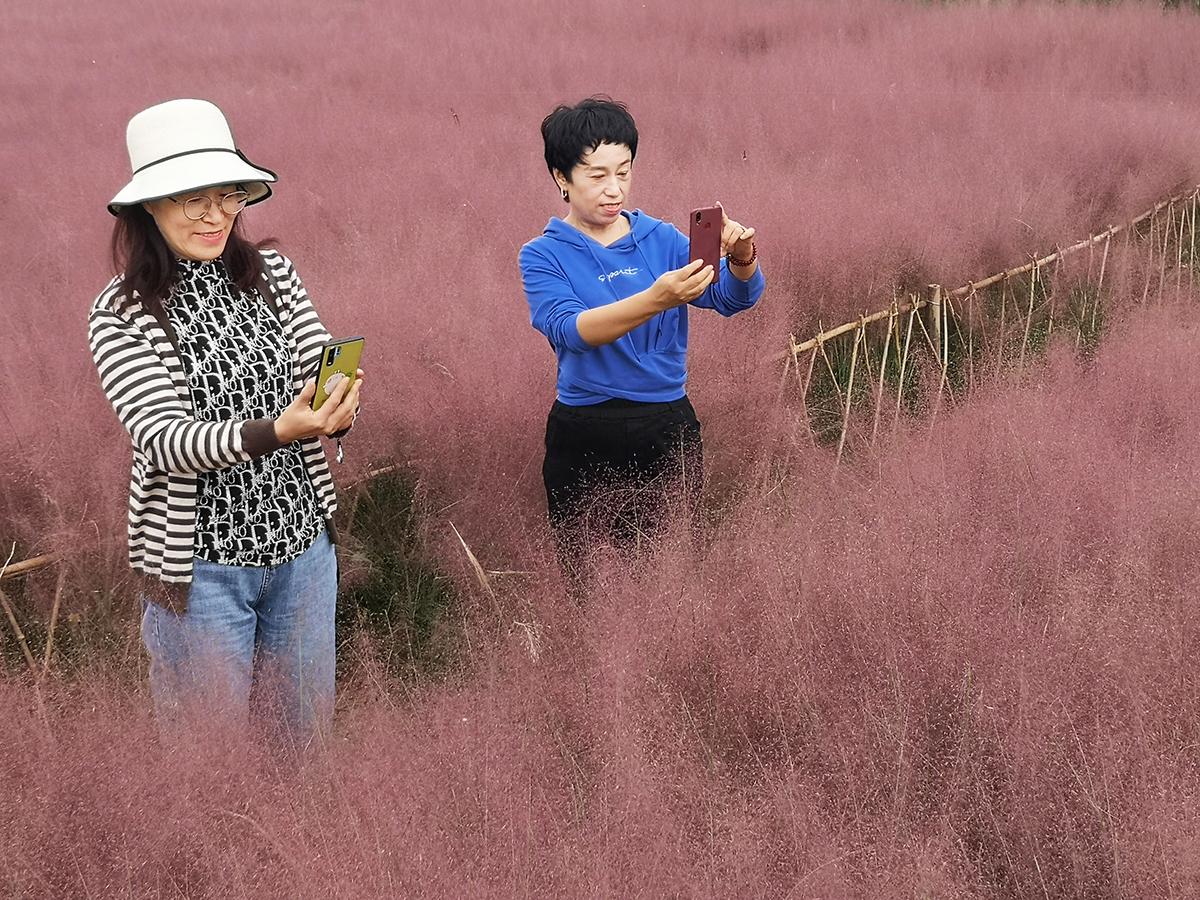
610, 289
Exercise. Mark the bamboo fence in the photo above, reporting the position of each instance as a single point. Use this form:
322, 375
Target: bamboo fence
1165, 235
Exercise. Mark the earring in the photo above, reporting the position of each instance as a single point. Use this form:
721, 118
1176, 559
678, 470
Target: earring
566, 197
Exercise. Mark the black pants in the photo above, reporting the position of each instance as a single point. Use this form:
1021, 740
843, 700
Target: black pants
612, 469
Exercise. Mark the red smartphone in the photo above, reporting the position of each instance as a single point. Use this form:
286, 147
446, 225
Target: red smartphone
705, 236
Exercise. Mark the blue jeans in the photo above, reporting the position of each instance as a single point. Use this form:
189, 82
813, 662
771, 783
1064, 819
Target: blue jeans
266, 631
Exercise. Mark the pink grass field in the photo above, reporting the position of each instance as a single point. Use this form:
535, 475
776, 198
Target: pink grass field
962, 669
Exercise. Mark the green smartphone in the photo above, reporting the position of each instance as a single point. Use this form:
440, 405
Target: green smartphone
337, 358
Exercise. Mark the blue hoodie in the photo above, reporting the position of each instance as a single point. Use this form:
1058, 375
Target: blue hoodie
566, 272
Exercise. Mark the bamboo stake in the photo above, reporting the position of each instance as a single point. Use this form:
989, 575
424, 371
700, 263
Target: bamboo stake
832, 376
971, 340
933, 347
1000, 337
58, 592
1051, 296
868, 366
952, 317
937, 326
12, 619
1192, 264
1081, 318
1033, 282
903, 364
941, 351
859, 336
26, 566
787, 368
804, 385
1091, 260
945, 332
1149, 265
1099, 285
1166, 240
887, 343
1179, 253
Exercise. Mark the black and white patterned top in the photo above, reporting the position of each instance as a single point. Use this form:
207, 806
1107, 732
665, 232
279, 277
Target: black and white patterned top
235, 356
142, 376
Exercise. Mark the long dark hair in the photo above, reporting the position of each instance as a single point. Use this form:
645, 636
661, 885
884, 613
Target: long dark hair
148, 267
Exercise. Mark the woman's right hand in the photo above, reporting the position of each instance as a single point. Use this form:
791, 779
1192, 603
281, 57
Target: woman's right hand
681, 286
299, 421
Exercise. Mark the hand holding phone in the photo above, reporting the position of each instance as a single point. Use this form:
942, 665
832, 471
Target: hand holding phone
683, 285
705, 227
339, 359
327, 404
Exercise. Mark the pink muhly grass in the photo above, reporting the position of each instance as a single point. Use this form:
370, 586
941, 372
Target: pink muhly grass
960, 670
872, 143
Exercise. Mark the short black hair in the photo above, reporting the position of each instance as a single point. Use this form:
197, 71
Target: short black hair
571, 131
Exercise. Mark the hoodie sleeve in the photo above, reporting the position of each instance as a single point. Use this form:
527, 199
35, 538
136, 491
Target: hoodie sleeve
553, 307
728, 294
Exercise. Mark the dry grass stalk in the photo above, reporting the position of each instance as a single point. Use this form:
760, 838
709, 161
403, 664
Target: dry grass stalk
533, 638
480, 574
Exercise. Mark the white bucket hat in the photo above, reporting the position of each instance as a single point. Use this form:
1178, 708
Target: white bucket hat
185, 145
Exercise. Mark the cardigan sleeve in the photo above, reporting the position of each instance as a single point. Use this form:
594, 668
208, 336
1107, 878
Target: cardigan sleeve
139, 386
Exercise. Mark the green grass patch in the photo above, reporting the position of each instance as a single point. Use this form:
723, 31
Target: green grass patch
391, 587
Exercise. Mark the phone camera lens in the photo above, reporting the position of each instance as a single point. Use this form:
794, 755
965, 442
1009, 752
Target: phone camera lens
697, 218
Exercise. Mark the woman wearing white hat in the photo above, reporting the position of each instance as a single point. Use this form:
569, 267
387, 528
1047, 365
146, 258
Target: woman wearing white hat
203, 343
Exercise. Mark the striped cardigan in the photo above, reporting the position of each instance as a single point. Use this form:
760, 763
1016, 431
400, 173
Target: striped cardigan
138, 362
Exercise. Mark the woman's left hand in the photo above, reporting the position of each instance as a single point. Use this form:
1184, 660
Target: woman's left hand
736, 239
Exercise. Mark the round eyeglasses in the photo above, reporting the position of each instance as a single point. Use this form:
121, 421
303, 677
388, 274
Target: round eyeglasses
196, 208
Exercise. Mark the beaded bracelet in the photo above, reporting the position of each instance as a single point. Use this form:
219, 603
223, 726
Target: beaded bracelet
734, 261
